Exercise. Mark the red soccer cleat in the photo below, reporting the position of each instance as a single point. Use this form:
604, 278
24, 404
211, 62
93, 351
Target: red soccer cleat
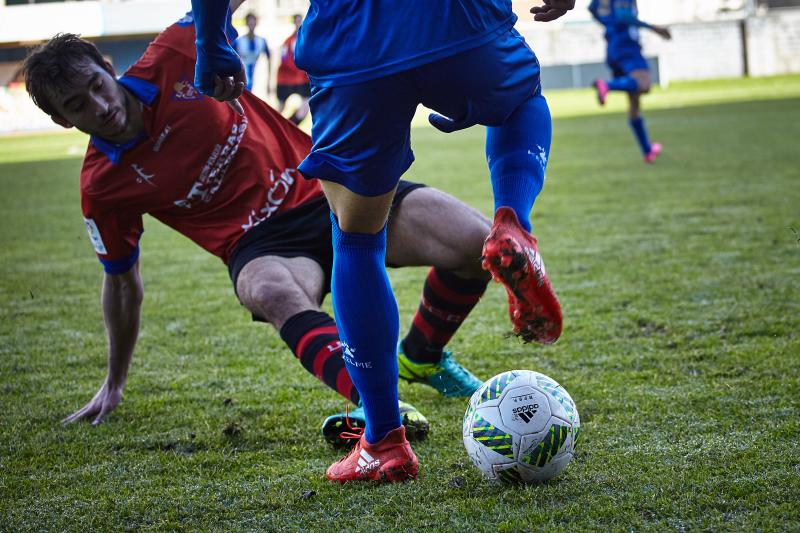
602, 91
512, 256
655, 151
391, 459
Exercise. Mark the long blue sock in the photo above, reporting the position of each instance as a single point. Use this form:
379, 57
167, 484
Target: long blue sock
624, 83
368, 320
640, 131
517, 153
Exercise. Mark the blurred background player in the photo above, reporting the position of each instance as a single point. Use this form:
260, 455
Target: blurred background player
229, 183
292, 80
371, 64
250, 48
628, 66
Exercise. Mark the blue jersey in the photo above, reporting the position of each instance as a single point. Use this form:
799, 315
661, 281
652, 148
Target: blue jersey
250, 49
342, 42
621, 21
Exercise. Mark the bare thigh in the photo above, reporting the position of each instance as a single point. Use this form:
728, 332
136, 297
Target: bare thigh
277, 288
430, 227
643, 79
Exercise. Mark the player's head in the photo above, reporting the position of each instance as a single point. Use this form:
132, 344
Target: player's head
251, 21
69, 79
298, 20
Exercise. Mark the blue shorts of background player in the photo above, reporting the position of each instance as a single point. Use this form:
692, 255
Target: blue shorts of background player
626, 61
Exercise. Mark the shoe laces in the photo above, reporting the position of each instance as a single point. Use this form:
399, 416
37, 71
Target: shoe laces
353, 431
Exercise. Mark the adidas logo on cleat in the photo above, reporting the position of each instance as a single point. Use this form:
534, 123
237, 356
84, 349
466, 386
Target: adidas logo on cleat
366, 463
538, 265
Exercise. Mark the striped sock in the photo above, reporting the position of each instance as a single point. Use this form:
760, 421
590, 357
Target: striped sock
313, 338
446, 302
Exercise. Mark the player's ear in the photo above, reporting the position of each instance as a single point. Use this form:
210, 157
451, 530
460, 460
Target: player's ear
61, 121
108, 67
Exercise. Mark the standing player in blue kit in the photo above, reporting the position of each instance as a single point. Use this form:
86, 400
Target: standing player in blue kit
629, 67
371, 63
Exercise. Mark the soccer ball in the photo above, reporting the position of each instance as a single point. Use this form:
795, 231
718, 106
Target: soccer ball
521, 426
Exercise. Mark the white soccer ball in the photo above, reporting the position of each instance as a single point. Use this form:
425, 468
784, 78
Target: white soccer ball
521, 426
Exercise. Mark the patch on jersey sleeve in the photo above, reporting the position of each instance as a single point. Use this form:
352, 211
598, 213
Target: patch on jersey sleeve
94, 236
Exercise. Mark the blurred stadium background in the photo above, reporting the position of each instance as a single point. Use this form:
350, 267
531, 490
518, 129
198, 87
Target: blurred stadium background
712, 39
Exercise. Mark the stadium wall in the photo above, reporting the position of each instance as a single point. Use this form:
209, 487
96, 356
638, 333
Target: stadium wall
698, 50
573, 52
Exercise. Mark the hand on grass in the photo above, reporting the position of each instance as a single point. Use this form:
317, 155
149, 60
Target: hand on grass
552, 9
105, 401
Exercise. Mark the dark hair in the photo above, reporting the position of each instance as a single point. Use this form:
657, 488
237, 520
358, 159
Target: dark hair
53, 67
251, 15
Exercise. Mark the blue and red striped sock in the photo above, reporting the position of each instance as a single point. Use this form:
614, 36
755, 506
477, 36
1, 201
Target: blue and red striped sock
446, 301
314, 340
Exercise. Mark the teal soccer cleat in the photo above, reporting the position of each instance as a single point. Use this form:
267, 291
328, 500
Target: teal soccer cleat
448, 376
343, 429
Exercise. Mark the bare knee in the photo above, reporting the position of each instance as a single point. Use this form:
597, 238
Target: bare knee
470, 261
643, 79
264, 299
274, 297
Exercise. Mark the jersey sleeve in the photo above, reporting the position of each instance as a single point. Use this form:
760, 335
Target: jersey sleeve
114, 234
624, 14
179, 37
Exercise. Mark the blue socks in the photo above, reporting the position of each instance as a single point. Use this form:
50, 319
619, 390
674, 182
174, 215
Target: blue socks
623, 83
517, 154
369, 325
640, 131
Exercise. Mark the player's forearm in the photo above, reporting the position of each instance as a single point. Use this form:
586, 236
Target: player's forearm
210, 18
122, 303
626, 16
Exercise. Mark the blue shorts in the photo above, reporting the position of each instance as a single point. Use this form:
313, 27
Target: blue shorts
625, 61
362, 133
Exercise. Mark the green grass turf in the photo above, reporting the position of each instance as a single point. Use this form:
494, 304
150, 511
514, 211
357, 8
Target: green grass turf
680, 284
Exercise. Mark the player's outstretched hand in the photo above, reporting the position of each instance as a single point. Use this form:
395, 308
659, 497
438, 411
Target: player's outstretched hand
663, 32
552, 9
105, 401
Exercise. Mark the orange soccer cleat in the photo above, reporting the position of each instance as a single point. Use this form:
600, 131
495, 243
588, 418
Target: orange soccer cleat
391, 459
511, 255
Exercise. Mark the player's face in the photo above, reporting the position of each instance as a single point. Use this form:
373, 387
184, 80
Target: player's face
297, 21
94, 103
251, 24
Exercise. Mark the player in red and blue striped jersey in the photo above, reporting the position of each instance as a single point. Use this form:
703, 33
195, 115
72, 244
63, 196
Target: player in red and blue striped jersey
228, 182
631, 72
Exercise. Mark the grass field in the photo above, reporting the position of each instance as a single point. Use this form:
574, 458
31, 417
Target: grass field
680, 284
